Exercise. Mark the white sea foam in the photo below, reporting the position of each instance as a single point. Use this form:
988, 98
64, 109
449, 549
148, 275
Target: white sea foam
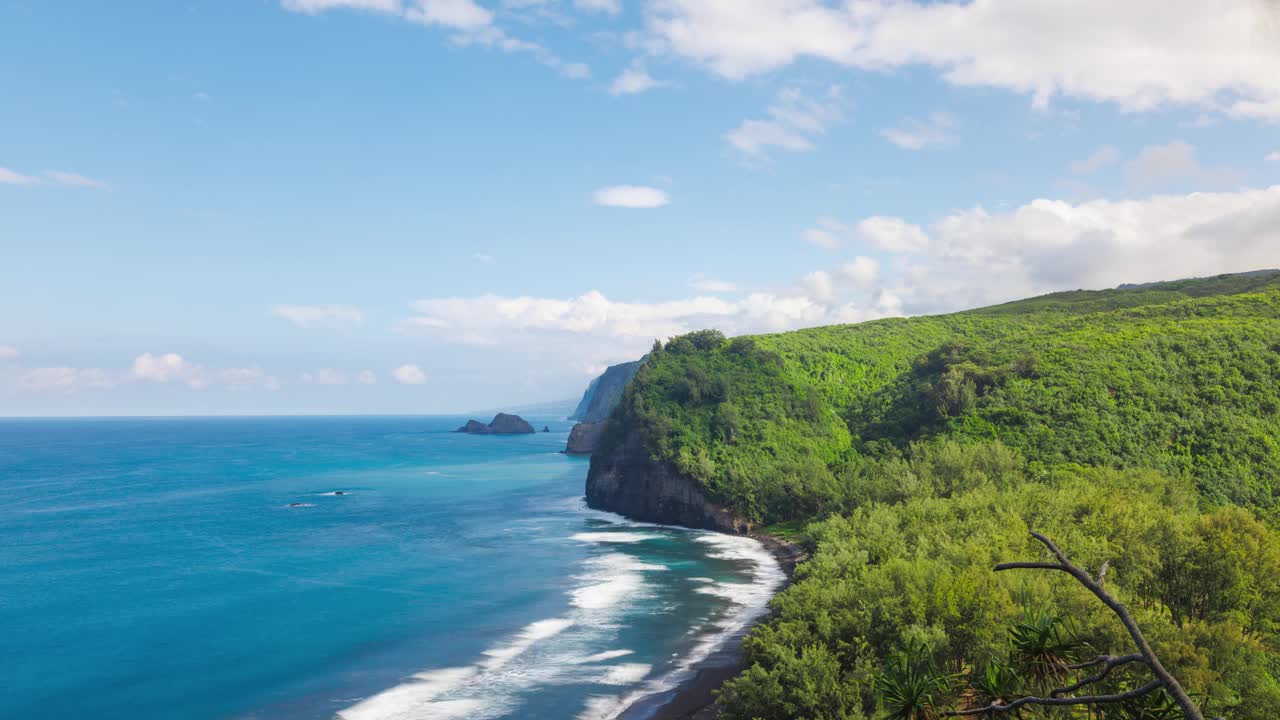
614, 537
624, 674
602, 707
541, 630
601, 657
612, 578
749, 601
701, 580
476, 692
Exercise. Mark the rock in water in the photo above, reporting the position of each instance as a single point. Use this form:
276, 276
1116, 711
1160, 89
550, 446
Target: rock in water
584, 438
503, 424
474, 427
546, 428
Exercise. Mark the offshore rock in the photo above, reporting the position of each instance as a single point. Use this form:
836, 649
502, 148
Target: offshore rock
503, 424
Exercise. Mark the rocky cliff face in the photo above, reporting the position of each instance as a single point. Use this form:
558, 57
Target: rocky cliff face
626, 481
584, 437
604, 392
503, 424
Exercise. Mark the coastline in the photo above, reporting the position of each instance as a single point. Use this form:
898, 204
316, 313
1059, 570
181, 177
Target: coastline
694, 699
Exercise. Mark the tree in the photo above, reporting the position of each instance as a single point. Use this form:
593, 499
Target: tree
1103, 663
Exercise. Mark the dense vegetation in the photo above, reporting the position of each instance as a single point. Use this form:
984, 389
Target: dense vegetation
1140, 426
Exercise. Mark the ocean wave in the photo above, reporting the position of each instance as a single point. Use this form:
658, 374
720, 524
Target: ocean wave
613, 577
748, 601
614, 537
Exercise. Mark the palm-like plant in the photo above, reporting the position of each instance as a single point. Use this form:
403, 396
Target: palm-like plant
1045, 646
996, 682
911, 687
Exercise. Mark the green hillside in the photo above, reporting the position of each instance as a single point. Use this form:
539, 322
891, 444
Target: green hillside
1140, 426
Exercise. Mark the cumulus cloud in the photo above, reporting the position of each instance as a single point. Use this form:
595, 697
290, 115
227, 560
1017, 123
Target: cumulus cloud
1048, 245
320, 316
829, 233
791, 124
862, 272
892, 234
8, 352
631, 196
1213, 55
919, 134
409, 375
634, 80
160, 368
1274, 157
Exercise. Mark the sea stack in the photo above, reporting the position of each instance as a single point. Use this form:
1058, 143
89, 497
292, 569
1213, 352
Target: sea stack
503, 424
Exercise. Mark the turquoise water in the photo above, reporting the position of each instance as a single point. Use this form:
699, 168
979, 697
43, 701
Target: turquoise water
155, 569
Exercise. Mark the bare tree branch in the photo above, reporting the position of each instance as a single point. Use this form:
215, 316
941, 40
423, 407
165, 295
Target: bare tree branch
1082, 700
1164, 677
1109, 663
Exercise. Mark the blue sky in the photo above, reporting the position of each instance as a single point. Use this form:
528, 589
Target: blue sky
279, 206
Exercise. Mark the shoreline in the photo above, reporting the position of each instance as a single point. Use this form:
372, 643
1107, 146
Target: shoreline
694, 699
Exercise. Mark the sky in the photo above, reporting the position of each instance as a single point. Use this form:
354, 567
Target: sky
429, 206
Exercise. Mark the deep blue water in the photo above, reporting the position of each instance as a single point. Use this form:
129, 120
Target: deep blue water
153, 568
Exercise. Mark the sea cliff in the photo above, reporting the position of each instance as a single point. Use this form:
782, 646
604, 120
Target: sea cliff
624, 479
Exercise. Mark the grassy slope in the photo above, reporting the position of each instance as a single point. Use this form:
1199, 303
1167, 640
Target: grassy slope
1126, 424
1183, 378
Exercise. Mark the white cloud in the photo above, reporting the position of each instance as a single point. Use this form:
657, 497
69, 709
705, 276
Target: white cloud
71, 179
1050, 245
8, 352
316, 316
471, 23
631, 196
1161, 163
862, 272
702, 283
317, 6
244, 378
1214, 55
794, 121
65, 379
893, 234
611, 7
828, 234
11, 177
916, 134
409, 375
366, 377
1102, 157
323, 376
457, 14
49, 177
634, 80
169, 367
1274, 157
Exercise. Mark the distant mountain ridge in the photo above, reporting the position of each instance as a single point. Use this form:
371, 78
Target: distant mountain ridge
604, 392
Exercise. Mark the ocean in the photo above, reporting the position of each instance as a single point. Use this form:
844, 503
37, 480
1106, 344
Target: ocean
360, 568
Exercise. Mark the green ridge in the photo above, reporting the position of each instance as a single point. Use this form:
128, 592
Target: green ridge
1140, 426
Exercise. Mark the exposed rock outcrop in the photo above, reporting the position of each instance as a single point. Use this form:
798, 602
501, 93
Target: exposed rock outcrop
584, 437
604, 392
503, 424
625, 480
